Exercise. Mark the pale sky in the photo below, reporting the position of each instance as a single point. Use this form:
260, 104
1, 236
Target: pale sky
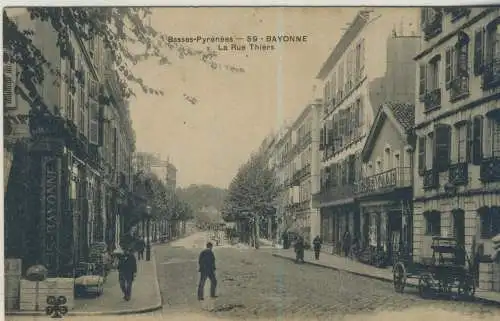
208, 141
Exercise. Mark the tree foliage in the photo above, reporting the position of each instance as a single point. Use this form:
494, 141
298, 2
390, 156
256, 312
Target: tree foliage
252, 191
165, 204
200, 196
124, 31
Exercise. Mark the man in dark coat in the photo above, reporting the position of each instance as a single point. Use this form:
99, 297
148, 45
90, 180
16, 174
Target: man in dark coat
127, 268
206, 263
141, 245
317, 247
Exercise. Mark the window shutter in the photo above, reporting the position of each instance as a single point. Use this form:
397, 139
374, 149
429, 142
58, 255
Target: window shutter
101, 125
468, 140
479, 52
448, 67
421, 155
334, 85
94, 123
327, 180
9, 85
352, 168
321, 138
423, 76
477, 140
362, 58
442, 140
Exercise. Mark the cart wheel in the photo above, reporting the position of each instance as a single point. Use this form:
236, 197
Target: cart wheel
399, 277
424, 286
467, 287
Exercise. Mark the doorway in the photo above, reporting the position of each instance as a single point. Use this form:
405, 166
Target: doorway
459, 233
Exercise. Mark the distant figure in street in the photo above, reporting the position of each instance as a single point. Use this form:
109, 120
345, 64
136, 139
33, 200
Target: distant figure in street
140, 250
127, 268
346, 243
317, 246
299, 249
206, 263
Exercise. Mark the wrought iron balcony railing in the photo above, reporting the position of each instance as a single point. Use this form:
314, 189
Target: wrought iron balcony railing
431, 179
459, 88
334, 193
459, 173
433, 26
491, 77
390, 180
490, 169
432, 100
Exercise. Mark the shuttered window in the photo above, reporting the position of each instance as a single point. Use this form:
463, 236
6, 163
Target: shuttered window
321, 139
9, 85
334, 86
449, 61
94, 122
461, 141
442, 143
421, 155
352, 169
423, 76
477, 140
362, 58
479, 42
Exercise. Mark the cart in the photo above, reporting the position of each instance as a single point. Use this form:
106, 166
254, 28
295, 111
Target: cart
449, 269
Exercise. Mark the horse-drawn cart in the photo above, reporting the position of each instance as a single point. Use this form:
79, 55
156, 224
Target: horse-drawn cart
449, 268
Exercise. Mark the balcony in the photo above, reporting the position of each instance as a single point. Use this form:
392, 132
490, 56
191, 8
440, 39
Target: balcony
334, 194
385, 182
432, 100
458, 174
431, 179
459, 88
300, 174
457, 12
491, 77
490, 169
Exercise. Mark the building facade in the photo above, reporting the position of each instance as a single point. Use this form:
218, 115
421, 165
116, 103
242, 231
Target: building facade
456, 176
355, 85
384, 190
64, 158
304, 145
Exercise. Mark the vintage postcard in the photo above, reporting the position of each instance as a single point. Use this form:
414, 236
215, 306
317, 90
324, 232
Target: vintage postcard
251, 163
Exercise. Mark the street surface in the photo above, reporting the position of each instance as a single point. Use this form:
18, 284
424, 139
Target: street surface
253, 284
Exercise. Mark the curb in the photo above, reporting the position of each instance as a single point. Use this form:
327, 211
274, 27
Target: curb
369, 276
157, 306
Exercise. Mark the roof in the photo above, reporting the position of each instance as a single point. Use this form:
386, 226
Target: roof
401, 114
404, 113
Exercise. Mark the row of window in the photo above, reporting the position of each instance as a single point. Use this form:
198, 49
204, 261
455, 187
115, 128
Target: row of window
346, 75
489, 222
343, 129
466, 141
486, 50
342, 173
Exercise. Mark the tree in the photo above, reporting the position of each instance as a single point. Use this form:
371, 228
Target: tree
251, 195
124, 32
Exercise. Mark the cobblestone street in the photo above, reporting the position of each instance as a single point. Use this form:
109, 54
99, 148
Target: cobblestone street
252, 283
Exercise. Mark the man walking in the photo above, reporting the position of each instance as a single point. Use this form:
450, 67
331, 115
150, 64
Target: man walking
317, 247
127, 268
206, 263
140, 251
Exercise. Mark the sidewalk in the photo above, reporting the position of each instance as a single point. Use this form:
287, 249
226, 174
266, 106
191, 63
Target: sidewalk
146, 296
335, 262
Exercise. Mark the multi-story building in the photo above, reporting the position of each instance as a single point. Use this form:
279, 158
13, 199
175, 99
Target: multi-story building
355, 85
456, 177
299, 213
384, 190
282, 146
63, 161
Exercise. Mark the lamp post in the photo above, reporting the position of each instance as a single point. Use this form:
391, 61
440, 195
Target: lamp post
148, 244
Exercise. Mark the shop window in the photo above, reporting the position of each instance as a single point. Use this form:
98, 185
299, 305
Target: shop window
433, 223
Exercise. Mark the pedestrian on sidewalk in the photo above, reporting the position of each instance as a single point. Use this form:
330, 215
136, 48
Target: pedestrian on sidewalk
317, 246
206, 263
140, 250
346, 243
127, 269
299, 249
